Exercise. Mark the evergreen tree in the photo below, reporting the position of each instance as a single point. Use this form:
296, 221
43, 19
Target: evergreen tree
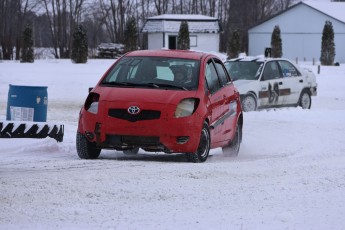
131, 35
276, 43
79, 45
234, 45
27, 54
183, 42
327, 46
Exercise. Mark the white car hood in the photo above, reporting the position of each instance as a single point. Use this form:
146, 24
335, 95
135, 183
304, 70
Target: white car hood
244, 86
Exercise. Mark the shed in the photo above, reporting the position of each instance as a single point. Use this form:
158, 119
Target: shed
301, 28
163, 30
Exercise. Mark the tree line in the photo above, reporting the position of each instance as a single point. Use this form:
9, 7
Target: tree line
54, 22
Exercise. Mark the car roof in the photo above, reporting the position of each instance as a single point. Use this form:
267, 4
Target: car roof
259, 58
196, 55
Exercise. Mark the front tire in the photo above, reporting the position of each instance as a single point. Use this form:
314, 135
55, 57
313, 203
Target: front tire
233, 148
203, 150
85, 148
305, 100
249, 103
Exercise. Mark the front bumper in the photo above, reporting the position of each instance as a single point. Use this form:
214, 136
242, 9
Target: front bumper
162, 134
313, 91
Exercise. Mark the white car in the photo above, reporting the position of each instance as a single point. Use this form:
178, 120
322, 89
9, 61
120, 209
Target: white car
271, 83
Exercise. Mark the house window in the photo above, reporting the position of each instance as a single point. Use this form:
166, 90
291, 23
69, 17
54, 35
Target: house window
172, 39
172, 42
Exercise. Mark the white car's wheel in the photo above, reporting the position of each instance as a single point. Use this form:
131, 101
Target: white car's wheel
132, 151
305, 100
249, 103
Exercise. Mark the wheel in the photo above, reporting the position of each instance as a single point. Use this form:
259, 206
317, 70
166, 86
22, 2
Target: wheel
132, 151
203, 150
305, 100
233, 148
85, 148
248, 103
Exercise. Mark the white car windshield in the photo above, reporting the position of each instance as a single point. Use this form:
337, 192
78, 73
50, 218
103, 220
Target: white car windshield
244, 70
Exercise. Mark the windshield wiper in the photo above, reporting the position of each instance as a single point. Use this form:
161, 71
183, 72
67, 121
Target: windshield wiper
130, 84
169, 86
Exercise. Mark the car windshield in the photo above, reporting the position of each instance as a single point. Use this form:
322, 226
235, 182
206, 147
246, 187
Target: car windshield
244, 70
154, 72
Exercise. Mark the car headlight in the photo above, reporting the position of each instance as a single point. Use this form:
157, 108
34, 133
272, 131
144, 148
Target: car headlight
91, 104
186, 107
93, 108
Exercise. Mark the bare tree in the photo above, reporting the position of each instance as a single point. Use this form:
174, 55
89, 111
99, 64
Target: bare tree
13, 15
63, 15
106, 19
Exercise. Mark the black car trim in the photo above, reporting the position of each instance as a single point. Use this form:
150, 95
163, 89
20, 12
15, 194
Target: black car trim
222, 119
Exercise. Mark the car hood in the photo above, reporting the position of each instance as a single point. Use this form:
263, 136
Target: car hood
240, 83
243, 86
144, 95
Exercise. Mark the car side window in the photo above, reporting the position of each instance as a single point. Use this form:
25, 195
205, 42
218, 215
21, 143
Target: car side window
271, 71
211, 77
288, 69
221, 72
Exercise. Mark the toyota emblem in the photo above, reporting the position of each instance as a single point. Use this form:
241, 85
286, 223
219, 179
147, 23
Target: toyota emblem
133, 110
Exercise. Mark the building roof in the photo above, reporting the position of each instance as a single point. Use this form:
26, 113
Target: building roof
335, 10
332, 9
172, 22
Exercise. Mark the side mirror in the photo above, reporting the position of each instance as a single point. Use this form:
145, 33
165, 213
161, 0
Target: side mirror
90, 89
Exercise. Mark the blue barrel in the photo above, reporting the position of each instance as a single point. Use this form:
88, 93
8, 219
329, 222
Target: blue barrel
27, 103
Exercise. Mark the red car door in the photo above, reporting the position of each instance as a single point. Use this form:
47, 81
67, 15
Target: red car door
219, 98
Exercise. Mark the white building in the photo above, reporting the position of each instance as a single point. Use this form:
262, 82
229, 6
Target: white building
163, 30
301, 29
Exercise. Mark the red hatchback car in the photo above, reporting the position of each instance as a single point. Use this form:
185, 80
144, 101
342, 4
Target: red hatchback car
162, 101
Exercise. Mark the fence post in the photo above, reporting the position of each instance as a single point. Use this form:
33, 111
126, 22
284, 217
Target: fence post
318, 69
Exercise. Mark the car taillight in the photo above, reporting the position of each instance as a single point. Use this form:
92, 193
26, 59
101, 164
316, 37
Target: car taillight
186, 107
91, 104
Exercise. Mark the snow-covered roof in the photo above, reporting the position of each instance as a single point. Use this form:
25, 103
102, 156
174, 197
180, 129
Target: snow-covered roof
180, 17
332, 9
172, 22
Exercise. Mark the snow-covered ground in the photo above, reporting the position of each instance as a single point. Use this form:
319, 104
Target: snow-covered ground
290, 173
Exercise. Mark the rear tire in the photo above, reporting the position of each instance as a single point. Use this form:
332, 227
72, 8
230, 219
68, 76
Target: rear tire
85, 148
305, 100
233, 148
203, 150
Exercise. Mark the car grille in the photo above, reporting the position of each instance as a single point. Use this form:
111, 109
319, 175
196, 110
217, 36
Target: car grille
143, 115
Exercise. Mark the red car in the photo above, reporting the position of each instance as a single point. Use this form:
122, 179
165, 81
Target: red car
162, 101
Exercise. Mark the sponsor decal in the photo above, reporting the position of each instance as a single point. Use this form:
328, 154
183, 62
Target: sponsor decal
274, 92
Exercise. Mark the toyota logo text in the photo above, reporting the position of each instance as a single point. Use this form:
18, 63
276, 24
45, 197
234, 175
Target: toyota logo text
133, 110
